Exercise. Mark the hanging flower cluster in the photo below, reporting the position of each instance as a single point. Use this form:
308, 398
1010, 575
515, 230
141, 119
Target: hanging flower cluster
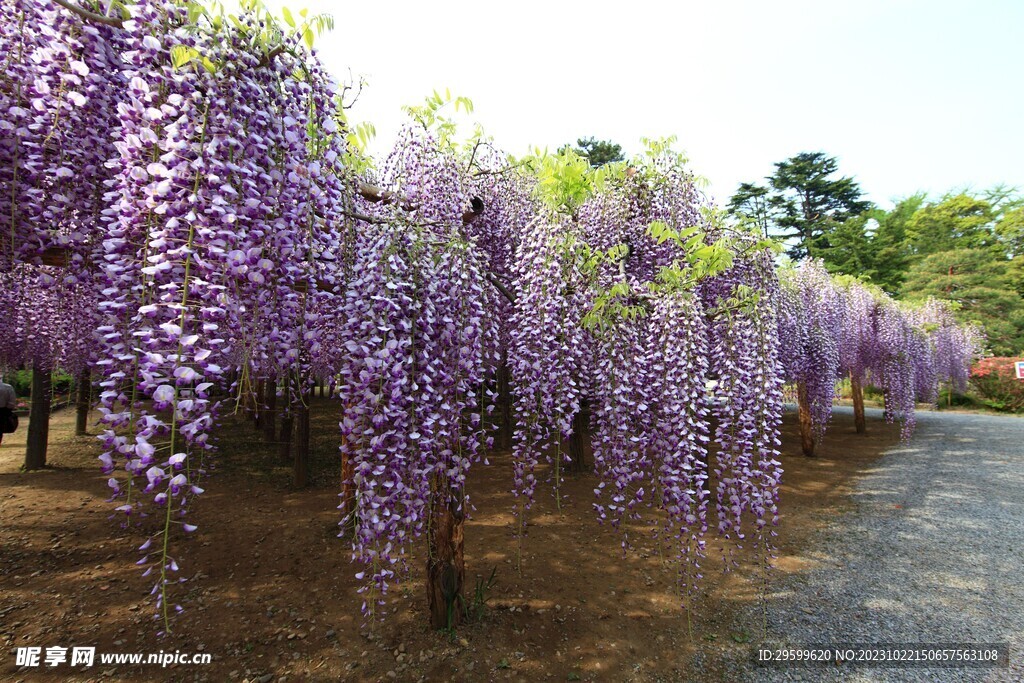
955, 346
186, 172
58, 112
178, 213
638, 300
811, 324
547, 350
416, 335
746, 365
838, 326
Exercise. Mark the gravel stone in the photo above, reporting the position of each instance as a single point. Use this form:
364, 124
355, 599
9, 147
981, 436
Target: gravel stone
933, 552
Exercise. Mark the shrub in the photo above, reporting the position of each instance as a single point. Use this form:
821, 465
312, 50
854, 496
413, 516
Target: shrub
995, 380
21, 380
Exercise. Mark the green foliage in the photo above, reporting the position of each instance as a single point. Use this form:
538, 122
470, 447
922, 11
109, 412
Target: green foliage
21, 380
697, 261
268, 38
803, 203
960, 222
596, 152
888, 244
951, 399
564, 180
850, 248
751, 202
436, 114
983, 284
1010, 231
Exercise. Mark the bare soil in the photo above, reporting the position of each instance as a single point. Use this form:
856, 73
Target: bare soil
272, 594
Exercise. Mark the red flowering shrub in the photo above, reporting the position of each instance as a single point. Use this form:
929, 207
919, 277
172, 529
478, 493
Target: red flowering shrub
995, 379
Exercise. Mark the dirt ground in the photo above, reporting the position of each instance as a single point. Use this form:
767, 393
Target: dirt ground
272, 596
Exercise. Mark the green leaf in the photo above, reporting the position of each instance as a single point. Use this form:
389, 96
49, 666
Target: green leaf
288, 19
182, 55
307, 35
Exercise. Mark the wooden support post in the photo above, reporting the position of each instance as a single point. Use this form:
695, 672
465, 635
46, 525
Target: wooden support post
269, 417
806, 425
446, 563
83, 403
284, 449
39, 419
858, 404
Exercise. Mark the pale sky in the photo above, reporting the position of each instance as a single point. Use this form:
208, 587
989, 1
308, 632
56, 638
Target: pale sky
909, 95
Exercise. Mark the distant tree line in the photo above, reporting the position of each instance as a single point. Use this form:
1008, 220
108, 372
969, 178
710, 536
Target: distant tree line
966, 247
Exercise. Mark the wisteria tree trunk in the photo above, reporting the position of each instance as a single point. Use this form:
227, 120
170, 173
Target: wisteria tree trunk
300, 459
858, 404
284, 448
257, 409
806, 424
446, 564
577, 441
270, 409
38, 420
83, 403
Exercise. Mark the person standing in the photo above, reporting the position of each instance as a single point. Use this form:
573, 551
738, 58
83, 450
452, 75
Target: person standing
7, 405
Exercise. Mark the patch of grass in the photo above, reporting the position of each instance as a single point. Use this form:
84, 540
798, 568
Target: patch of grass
477, 606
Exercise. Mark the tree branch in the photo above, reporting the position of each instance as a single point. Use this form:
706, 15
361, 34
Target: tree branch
90, 16
500, 286
372, 193
501, 171
265, 59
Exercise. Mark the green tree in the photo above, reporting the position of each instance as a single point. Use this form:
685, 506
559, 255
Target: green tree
805, 202
984, 284
1010, 231
851, 249
751, 201
957, 222
889, 243
598, 152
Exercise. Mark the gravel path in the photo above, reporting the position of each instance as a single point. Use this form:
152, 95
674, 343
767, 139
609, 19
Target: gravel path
934, 552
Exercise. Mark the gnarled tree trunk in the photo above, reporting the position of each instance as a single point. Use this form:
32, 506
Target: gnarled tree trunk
38, 419
270, 409
446, 565
858, 404
83, 403
577, 441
